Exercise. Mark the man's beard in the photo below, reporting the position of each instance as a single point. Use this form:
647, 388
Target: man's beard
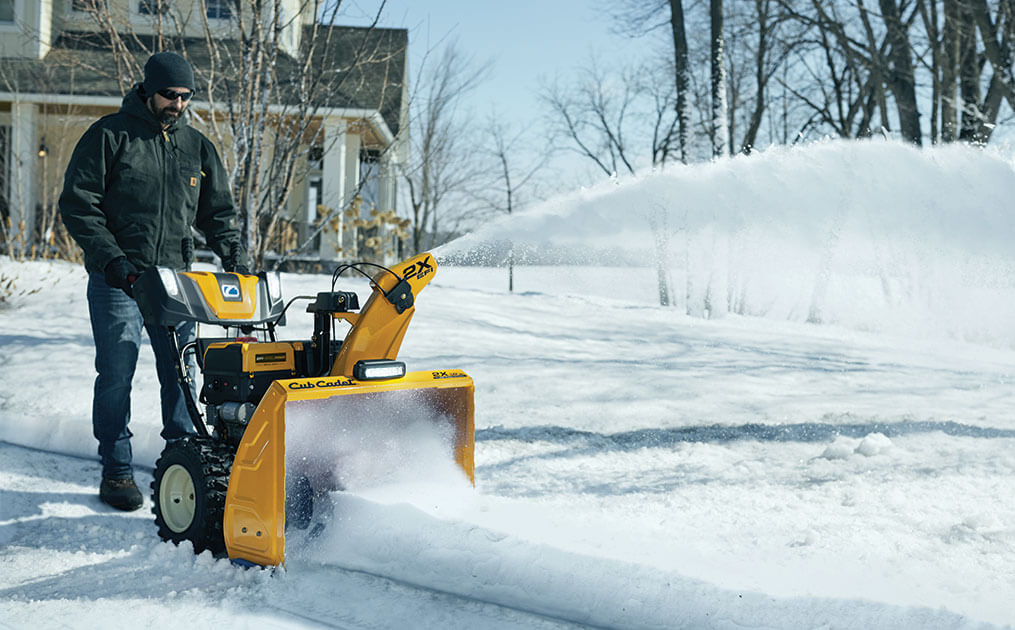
168, 114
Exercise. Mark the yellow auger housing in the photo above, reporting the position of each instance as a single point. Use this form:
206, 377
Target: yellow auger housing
290, 418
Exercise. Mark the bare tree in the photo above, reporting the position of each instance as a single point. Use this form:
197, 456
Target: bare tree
515, 173
949, 65
769, 56
681, 74
442, 163
996, 33
884, 51
616, 121
636, 18
746, 40
901, 79
841, 60
592, 113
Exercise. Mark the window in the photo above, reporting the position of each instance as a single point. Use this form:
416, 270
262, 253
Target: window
7, 11
315, 157
219, 9
152, 7
369, 173
315, 196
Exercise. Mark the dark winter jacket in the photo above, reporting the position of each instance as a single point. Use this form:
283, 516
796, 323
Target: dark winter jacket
132, 189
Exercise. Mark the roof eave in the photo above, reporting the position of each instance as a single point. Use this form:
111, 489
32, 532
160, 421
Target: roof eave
376, 119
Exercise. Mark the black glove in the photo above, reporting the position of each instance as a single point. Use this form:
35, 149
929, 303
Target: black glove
234, 262
120, 274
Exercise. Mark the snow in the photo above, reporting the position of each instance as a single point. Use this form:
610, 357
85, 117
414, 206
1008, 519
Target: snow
832, 447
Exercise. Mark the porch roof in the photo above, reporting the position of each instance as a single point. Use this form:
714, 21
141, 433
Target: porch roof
366, 69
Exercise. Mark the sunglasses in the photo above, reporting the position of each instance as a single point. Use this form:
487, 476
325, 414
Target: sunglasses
172, 95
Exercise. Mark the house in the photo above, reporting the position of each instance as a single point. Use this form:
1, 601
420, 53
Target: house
329, 110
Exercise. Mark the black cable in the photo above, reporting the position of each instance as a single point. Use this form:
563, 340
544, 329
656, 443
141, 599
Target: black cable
184, 379
355, 267
341, 269
290, 303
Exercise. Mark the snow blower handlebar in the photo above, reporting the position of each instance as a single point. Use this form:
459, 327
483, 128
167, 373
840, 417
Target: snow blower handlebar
166, 297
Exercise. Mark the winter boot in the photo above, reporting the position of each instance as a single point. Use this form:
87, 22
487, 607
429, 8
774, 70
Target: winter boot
121, 494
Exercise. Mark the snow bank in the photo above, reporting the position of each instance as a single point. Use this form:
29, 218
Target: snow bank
872, 235
414, 544
47, 356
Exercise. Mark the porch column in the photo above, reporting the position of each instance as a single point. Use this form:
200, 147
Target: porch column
386, 191
333, 169
351, 176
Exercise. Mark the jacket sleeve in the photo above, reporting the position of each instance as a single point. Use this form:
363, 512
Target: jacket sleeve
216, 213
84, 185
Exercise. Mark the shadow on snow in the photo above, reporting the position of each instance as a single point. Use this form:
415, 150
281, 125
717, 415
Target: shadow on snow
799, 432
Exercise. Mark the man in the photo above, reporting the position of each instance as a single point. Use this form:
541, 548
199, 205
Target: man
136, 183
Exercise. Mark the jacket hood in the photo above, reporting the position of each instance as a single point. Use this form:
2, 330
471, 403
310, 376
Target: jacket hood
136, 106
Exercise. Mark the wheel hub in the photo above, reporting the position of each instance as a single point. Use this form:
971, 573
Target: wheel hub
176, 498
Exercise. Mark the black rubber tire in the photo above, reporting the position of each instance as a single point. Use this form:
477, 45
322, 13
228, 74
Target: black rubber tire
203, 464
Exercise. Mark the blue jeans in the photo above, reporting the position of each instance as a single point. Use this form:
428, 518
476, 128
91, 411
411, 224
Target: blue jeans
116, 328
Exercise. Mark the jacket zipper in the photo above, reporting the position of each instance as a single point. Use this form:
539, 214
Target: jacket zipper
162, 205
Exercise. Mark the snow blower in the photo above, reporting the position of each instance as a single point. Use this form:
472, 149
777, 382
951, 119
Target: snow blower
283, 416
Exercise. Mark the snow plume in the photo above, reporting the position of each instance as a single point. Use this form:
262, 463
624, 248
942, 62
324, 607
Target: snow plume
389, 448
873, 235
361, 441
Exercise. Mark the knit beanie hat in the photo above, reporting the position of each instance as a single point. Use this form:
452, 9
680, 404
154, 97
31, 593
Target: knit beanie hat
167, 69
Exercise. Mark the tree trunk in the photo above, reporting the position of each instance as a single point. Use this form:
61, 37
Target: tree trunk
930, 22
681, 74
969, 77
950, 71
719, 127
760, 78
998, 54
901, 79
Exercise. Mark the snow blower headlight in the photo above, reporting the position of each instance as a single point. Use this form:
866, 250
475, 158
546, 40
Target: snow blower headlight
377, 369
168, 277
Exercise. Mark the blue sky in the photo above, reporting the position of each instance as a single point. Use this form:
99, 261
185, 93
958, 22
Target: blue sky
525, 40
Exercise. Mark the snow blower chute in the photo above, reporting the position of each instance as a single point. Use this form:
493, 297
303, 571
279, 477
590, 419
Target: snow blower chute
284, 416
